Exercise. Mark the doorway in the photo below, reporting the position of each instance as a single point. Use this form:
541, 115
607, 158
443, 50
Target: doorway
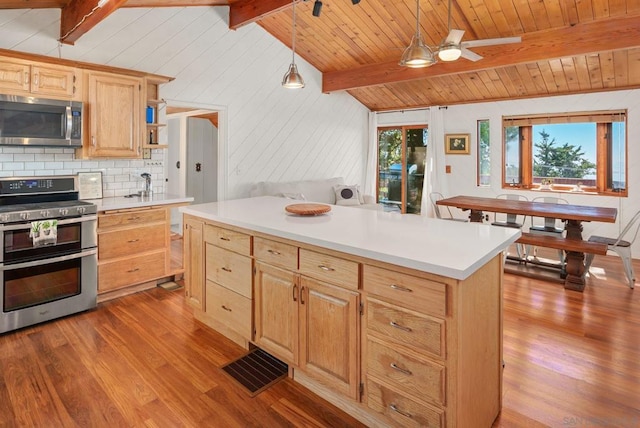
195, 157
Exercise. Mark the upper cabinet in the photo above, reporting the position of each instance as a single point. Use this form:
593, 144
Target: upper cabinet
122, 108
115, 115
39, 79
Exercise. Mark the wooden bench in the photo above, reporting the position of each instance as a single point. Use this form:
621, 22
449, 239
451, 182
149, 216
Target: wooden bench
561, 243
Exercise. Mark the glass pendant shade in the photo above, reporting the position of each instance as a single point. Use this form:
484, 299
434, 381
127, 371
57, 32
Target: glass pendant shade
292, 79
449, 52
417, 55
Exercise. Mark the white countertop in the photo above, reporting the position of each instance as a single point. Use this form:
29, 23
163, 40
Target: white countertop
122, 203
448, 248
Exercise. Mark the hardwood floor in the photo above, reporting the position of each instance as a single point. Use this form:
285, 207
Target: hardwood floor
571, 359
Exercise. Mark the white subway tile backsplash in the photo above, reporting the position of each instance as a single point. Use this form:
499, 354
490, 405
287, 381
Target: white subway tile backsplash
120, 177
25, 157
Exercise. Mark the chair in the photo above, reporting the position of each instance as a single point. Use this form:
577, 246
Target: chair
511, 220
620, 246
547, 225
436, 196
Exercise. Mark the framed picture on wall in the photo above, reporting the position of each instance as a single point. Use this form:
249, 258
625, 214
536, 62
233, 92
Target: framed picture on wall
456, 144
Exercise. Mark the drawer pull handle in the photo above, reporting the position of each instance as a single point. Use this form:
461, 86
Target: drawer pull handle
133, 270
395, 409
302, 295
226, 309
226, 269
132, 240
222, 238
295, 293
274, 252
400, 327
326, 268
400, 369
136, 218
401, 288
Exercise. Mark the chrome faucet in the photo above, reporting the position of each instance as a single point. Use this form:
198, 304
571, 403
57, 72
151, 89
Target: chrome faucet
147, 190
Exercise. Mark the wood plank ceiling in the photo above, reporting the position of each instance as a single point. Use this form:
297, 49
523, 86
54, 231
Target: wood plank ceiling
568, 46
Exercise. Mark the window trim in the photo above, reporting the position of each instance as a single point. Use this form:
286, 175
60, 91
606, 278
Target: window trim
604, 120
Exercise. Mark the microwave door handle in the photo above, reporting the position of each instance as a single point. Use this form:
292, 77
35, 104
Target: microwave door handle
67, 135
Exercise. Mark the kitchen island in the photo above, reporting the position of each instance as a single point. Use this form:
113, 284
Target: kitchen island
397, 319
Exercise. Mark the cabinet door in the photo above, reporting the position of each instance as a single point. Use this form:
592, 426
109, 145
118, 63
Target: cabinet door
14, 76
114, 116
329, 338
53, 80
194, 262
276, 311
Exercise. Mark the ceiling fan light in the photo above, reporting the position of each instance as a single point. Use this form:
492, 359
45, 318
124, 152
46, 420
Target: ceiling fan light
292, 79
449, 52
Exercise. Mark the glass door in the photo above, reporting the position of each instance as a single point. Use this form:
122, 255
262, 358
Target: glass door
402, 153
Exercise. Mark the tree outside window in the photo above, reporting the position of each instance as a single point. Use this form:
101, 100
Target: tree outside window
583, 151
401, 163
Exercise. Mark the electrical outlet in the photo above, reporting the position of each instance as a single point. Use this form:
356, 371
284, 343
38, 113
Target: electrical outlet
146, 153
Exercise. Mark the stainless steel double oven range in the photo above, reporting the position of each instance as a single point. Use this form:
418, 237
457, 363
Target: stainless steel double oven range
48, 262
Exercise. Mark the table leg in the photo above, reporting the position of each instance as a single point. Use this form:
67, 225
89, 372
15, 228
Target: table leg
476, 216
574, 269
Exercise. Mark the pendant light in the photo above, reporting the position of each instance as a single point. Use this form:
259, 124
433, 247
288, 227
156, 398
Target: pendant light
417, 54
293, 79
450, 50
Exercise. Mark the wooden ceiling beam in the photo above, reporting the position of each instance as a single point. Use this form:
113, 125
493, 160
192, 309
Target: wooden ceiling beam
581, 39
245, 12
80, 16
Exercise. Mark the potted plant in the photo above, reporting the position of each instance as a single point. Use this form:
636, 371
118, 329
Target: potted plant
546, 183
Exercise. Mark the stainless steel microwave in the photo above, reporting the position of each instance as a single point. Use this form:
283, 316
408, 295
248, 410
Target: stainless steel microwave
29, 121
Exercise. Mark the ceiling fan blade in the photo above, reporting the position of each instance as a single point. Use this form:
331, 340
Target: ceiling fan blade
490, 42
454, 37
471, 56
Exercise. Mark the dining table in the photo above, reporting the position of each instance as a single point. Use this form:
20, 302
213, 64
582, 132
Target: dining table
572, 215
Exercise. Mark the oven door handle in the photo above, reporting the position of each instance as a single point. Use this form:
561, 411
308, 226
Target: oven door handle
60, 222
85, 253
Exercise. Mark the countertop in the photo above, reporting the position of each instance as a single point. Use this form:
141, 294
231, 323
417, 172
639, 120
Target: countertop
121, 202
448, 248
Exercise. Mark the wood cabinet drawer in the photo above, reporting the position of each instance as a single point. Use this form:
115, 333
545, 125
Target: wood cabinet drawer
132, 218
275, 253
229, 269
125, 242
228, 239
329, 268
408, 327
411, 374
423, 295
229, 308
130, 271
402, 410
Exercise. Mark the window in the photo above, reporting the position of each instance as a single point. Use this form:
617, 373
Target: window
571, 152
402, 153
484, 154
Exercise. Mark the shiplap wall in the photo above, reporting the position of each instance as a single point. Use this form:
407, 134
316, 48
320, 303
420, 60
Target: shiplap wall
273, 133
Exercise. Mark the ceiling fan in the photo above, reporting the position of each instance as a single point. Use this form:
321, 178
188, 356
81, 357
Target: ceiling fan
452, 47
418, 54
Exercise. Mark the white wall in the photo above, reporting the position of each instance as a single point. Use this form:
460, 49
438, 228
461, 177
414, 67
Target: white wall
272, 133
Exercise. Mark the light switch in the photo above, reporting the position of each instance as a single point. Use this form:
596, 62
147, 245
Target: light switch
447, 169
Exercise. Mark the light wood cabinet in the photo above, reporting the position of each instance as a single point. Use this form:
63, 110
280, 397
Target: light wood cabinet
151, 139
133, 248
432, 346
115, 116
309, 323
193, 241
39, 79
